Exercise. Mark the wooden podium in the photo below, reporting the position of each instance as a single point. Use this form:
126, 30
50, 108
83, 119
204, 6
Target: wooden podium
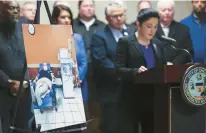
170, 112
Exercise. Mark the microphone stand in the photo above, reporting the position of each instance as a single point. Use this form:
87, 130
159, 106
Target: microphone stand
37, 17
173, 41
184, 50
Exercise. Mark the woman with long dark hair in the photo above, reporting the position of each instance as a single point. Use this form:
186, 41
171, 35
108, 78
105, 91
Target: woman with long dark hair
62, 15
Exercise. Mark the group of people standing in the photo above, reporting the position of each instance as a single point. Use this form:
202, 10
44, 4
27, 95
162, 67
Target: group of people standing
109, 56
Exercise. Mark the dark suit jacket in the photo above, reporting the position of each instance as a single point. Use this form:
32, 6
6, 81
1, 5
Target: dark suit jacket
133, 27
129, 59
22, 20
12, 60
181, 34
103, 54
80, 28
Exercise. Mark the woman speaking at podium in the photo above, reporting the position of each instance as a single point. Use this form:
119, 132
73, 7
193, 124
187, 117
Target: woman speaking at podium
136, 54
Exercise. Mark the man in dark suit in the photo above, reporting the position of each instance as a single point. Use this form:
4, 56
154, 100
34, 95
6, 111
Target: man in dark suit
103, 49
12, 61
170, 28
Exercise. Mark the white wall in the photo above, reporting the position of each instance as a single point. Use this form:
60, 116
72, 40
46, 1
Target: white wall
182, 9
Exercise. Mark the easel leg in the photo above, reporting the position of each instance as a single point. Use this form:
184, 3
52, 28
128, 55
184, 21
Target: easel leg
38, 129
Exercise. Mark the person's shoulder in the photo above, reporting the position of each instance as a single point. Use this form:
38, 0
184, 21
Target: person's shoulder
101, 31
133, 23
23, 20
100, 22
186, 19
127, 39
75, 20
156, 40
77, 36
182, 28
180, 25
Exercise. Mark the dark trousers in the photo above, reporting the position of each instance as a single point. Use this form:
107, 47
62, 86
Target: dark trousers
23, 113
5, 122
91, 83
109, 117
135, 111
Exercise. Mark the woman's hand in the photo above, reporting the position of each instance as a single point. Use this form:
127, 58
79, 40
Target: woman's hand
76, 81
142, 69
169, 63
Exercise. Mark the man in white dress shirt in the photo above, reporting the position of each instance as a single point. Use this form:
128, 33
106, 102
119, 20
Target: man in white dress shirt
170, 28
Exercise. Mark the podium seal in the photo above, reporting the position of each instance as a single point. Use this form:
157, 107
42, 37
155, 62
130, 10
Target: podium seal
194, 85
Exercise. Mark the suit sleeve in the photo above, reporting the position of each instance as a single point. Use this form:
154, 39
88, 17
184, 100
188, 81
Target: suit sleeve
82, 60
99, 52
4, 84
182, 56
121, 61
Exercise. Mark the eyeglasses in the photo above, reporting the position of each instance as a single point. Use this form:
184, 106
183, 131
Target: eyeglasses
117, 16
30, 10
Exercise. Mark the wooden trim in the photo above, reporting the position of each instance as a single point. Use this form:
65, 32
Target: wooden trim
170, 110
170, 106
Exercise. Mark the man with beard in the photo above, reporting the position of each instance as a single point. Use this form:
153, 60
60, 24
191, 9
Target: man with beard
196, 21
12, 60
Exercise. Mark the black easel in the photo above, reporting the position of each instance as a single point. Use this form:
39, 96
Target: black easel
38, 128
36, 21
37, 17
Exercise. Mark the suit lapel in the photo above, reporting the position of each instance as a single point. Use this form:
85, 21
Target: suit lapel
111, 43
160, 31
157, 53
109, 34
129, 30
172, 32
136, 44
156, 50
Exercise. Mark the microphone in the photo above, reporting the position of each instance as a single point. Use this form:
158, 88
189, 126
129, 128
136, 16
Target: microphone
168, 39
173, 41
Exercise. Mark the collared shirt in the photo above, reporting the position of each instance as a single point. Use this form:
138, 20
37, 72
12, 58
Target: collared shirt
79, 27
198, 36
88, 23
118, 33
197, 20
166, 29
